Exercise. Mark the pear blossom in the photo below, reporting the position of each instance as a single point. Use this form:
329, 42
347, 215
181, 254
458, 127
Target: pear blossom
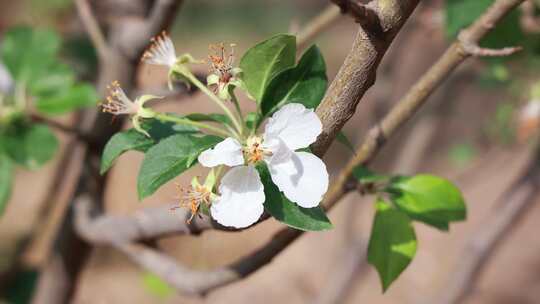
301, 176
224, 76
119, 104
161, 51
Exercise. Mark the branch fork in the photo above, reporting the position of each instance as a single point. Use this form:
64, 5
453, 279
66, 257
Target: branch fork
471, 48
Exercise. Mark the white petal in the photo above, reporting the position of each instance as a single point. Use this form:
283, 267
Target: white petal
297, 126
242, 198
227, 152
307, 186
280, 151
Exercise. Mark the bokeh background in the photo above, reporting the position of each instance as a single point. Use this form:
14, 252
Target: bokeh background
471, 132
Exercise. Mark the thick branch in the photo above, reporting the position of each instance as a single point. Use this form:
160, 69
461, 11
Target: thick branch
358, 72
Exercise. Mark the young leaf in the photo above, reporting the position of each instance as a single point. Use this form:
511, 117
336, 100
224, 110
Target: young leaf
31, 145
305, 84
133, 140
78, 96
265, 60
392, 244
169, 158
6, 181
429, 199
289, 213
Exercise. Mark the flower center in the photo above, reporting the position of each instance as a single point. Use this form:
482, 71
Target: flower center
254, 150
192, 198
222, 63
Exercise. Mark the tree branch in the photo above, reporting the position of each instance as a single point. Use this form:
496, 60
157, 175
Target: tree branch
357, 73
92, 27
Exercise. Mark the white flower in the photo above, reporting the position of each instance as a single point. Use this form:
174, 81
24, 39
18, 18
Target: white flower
301, 176
161, 51
119, 104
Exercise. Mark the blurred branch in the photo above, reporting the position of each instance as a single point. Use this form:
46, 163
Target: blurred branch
92, 27
342, 278
127, 38
481, 247
317, 25
77, 132
529, 21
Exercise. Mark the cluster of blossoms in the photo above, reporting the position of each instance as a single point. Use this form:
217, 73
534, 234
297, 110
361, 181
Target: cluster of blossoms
233, 191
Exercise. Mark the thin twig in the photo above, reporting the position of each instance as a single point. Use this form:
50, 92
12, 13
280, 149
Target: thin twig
77, 132
92, 27
315, 26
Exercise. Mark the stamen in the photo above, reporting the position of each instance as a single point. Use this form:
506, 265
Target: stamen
254, 150
117, 102
192, 198
161, 51
221, 62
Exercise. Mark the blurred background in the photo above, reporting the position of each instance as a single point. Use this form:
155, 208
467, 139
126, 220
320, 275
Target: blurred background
477, 130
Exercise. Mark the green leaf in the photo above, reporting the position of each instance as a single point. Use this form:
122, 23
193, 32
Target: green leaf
122, 142
429, 199
156, 286
305, 84
29, 53
364, 175
344, 140
6, 181
30, 145
289, 213
169, 158
265, 60
58, 78
134, 140
78, 96
392, 244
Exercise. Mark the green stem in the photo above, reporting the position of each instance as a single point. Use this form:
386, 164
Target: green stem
239, 111
216, 99
185, 121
